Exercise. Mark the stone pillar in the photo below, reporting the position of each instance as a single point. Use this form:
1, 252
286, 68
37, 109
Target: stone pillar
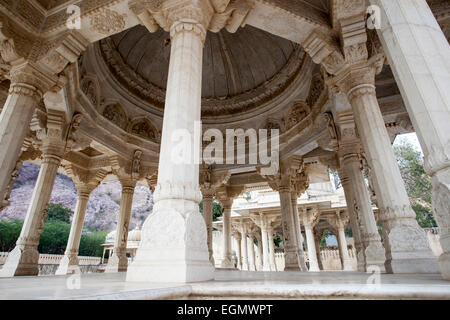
238, 238
317, 238
419, 55
298, 233
310, 218
177, 193
28, 84
244, 247
406, 245
251, 253
354, 222
260, 251
118, 261
23, 259
373, 249
273, 265
69, 263
289, 235
265, 244
226, 262
208, 216
339, 222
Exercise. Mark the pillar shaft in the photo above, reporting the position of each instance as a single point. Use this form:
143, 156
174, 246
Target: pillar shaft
354, 222
251, 254
273, 265
244, 249
23, 260
260, 252
226, 261
407, 249
265, 248
312, 254
343, 251
373, 249
298, 233
289, 234
118, 262
238, 238
317, 238
419, 55
208, 216
69, 263
177, 194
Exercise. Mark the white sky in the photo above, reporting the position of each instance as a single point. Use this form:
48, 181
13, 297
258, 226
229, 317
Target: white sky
411, 138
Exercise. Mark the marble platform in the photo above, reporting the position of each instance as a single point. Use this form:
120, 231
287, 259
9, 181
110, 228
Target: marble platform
231, 285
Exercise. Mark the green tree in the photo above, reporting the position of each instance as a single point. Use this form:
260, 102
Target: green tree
54, 237
9, 233
417, 182
217, 209
91, 243
57, 212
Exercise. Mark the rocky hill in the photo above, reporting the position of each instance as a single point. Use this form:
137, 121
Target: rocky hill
103, 206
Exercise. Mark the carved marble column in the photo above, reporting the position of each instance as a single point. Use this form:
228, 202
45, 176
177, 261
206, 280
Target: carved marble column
406, 245
238, 238
177, 194
244, 246
339, 222
251, 253
208, 216
310, 217
28, 84
289, 235
23, 259
273, 265
317, 238
118, 262
69, 263
260, 251
298, 229
354, 222
373, 249
226, 261
265, 239
419, 55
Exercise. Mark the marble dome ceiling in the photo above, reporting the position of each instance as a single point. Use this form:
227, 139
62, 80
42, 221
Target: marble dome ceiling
241, 71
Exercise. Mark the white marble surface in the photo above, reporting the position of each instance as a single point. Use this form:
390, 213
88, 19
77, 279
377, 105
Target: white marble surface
233, 284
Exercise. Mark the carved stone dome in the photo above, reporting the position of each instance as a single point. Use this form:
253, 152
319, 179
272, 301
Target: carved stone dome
241, 71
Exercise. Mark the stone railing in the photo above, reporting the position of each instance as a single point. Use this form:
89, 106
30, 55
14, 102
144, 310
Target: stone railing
46, 259
330, 259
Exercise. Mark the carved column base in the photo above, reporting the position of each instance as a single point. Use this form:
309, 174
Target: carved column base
69, 264
291, 260
361, 260
173, 246
118, 262
22, 261
374, 254
406, 244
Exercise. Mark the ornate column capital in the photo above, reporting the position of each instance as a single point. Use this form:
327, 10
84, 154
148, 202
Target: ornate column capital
211, 180
339, 221
85, 180
192, 15
310, 217
29, 79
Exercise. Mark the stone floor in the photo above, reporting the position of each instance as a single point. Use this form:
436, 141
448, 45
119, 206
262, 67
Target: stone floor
232, 285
